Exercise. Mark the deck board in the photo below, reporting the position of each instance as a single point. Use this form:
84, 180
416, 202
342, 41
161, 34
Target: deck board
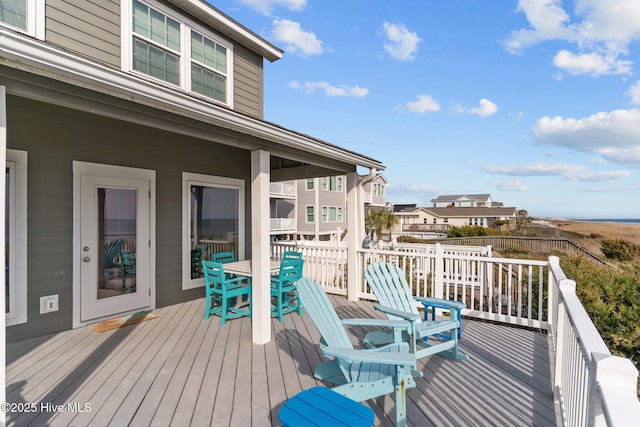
181, 370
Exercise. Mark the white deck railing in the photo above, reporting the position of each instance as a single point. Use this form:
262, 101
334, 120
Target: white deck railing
592, 387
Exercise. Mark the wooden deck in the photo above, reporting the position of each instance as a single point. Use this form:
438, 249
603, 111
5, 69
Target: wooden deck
181, 370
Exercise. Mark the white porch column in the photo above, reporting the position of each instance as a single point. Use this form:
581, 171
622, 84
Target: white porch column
354, 237
3, 160
260, 251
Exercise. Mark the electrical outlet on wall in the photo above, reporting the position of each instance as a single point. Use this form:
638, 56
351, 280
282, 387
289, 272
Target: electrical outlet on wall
48, 304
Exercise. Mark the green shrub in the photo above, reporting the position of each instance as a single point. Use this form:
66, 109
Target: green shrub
612, 300
619, 249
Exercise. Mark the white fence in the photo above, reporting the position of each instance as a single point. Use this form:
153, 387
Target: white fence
592, 387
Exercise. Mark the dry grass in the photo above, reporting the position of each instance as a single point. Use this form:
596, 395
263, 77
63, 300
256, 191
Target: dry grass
595, 232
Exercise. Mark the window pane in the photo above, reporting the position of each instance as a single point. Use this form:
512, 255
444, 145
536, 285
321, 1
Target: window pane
14, 12
155, 62
140, 19
310, 214
208, 83
214, 224
332, 214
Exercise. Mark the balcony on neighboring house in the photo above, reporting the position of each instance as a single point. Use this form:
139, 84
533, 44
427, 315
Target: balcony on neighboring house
283, 225
283, 190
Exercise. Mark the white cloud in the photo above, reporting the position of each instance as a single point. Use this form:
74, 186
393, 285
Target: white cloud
401, 43
485, 109
265, 7
602, 31
330, 90
567, 171
535, 169
614, 135
634, 93
295, 38
513, 185
591, 63
425, 103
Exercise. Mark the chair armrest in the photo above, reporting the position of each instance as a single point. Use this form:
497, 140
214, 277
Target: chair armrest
373, 356
411, 317
236, 279
396, 324
441, 303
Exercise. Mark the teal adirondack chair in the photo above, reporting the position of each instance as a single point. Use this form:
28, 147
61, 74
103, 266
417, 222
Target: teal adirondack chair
128, 266
359, 374
395, 300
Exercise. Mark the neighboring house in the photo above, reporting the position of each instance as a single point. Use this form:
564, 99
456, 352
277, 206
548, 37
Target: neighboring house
465, 201
315, 208
138, 126
416, 221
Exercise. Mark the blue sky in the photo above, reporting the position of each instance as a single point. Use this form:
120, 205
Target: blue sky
536, 102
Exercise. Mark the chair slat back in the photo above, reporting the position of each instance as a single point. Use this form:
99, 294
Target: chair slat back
291, 255
323, 314
390, 286
291, 270
213, 273
223, 257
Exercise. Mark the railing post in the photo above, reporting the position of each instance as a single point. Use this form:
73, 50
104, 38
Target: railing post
438, 273
564, 285
552, 296
619, 377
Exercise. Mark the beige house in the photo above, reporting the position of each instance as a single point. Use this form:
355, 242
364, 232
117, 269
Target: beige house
417, 221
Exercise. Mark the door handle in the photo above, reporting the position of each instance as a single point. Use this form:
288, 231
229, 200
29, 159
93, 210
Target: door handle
86, 259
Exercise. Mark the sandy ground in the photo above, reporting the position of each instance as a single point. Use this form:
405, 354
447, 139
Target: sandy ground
595, 232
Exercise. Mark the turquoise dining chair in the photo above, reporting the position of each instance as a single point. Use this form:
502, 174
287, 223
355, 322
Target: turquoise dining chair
226, 290
283, 288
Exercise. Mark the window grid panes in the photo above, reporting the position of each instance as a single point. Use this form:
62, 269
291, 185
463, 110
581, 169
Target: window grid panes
309, 183
156, 44
331, 214
208, 67
14, 13
310, 214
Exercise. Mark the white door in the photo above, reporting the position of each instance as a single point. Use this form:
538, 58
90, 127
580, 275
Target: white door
114, 241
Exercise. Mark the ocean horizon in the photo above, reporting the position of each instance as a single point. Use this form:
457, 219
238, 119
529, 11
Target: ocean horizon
614, 220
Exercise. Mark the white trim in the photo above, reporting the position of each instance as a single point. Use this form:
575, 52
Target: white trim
29, 55
35, 20
184, 55
3, 329
96, 169
17, 162
189, 179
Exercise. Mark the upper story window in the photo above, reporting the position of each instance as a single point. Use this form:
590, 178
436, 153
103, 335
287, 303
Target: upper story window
26, 16
378, 190
310, 183
332, 183
165, 46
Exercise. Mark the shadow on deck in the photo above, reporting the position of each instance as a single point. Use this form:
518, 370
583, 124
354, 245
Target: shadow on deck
182, 370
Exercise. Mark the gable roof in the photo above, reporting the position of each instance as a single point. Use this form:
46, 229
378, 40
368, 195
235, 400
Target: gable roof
466, 212
455, 197
228, 26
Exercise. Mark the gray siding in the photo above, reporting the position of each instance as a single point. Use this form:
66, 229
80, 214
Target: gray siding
89, 27
53, 138
92, 29
247, 82
332, 198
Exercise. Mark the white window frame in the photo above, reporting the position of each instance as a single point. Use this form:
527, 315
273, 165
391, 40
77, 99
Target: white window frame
186, 25
35, 20
17, 164
310, 184
313, 214
326, 214
189, 179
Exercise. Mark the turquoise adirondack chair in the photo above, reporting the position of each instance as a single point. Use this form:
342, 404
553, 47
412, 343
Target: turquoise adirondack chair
225, 290
359, 374
395, 300
283, 288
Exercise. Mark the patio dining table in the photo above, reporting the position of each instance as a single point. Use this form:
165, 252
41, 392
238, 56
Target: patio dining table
243, 268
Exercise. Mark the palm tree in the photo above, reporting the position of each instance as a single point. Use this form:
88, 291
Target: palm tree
380, 220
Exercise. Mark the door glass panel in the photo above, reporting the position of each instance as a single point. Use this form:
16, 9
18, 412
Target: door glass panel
7, 245
117, 235
213, 224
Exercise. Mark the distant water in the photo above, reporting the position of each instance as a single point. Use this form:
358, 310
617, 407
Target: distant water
616, 220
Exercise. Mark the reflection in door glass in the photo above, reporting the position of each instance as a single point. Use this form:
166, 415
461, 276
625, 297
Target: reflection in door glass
213, 225
117, 235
